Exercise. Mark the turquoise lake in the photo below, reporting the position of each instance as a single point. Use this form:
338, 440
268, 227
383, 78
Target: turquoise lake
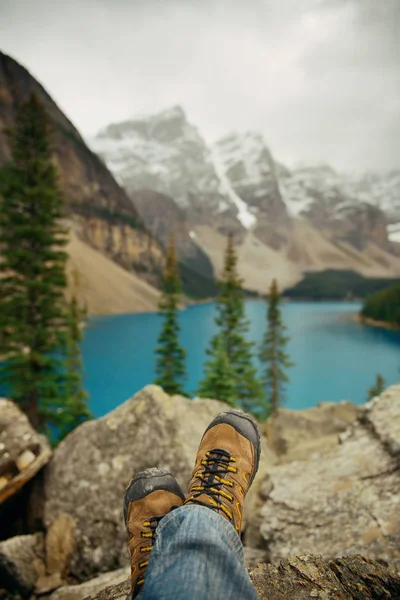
335, 357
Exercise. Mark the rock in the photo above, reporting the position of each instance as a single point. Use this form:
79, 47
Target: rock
60, 544
297, 434
91, 468
383, 416
305, 577
22, 563
79, 592
254, 556
344, 501
23, 452
301, 578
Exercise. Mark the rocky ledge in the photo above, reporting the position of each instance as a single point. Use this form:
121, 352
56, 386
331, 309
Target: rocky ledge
335, 496
298, 578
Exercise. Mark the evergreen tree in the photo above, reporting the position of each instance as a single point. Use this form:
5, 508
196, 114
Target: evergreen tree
170, 363
378, 388
75, 409
33, 309
273, 355
233, 327
219, 377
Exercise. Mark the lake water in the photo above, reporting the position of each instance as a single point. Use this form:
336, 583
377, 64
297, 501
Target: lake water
335, 357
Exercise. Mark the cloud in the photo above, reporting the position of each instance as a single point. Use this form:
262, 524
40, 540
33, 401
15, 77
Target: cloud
320, 78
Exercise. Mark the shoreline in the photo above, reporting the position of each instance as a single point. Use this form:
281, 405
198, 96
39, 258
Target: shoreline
377, 324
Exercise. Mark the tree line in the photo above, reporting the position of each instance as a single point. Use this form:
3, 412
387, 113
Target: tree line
229, 371
383, 306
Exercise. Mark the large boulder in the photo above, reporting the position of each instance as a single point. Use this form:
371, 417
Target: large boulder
91, 468
344, 501
23, 452
297, 434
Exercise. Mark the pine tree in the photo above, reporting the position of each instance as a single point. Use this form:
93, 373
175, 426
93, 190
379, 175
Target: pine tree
75, 409
273, 355
233, 327
33, 309
378, 388
219, 377
170, 362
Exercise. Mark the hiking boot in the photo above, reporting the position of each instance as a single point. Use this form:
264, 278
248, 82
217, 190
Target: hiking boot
226, 464
149, 497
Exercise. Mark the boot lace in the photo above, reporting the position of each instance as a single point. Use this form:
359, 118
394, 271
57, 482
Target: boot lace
213, 479
151, 525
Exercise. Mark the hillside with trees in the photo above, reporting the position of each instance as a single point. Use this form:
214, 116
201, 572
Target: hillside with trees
333, 284
384, 306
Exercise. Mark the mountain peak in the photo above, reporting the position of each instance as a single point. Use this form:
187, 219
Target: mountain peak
174, 112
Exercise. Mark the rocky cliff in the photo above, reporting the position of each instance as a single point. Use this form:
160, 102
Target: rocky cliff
103, 216
285, 221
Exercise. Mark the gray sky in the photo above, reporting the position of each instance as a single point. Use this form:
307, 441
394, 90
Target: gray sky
320, 78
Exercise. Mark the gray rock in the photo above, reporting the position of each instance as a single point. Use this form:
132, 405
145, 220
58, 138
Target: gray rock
383, 416
345, 501
297, 434
22, 563
23, 452
93, 586
93, 465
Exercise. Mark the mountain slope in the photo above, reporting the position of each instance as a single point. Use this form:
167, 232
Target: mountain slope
285, 222
103, 215
103, 286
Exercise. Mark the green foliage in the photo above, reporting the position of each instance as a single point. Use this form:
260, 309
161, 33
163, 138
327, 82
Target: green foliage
233, 328
33, 311
74, 410
273, 355
384, 306
219, 377
170, 363
336, 285
377, 388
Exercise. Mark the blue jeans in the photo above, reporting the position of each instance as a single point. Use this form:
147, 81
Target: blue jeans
197, 556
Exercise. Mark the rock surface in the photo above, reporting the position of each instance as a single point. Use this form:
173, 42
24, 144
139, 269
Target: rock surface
23, 452
90, 470
345, 501
22, 563
300, 578
297, 434
91, 587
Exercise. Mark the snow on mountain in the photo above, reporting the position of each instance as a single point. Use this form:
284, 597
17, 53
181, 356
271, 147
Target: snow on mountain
247, 219
166, 153
381, 189
236, 185
309, 185
245, 164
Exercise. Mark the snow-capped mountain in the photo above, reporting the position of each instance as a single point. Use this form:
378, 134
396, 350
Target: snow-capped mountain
286, 221
167, 154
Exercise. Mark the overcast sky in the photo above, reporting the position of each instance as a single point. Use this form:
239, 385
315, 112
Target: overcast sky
320, 78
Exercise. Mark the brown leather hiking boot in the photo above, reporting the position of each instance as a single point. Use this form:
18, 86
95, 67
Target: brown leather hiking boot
149, 497
226, 464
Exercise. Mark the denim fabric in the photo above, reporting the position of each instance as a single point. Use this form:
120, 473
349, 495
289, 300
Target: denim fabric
197, 556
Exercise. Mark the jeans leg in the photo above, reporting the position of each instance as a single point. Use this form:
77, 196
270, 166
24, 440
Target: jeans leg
197, 555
